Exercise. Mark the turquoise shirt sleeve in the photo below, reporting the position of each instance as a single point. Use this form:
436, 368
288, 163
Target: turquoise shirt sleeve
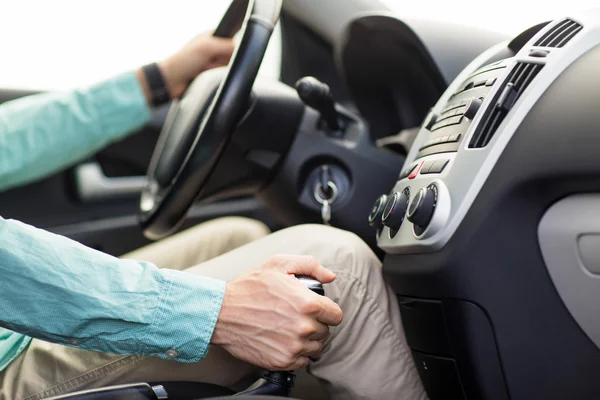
42, 134
58, 290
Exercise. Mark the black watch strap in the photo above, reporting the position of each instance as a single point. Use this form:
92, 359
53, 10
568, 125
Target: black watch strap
157, 85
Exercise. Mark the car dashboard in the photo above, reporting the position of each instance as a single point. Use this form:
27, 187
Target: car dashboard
491, 229
465, 133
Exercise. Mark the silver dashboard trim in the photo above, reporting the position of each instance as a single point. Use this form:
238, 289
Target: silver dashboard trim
468, 169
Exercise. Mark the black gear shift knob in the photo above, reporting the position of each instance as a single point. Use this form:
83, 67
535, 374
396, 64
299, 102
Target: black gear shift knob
317, 95
312, 284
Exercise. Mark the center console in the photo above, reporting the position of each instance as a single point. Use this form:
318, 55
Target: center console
471, 226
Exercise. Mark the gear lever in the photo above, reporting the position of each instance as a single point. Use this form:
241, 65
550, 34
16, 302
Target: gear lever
312, 284
317, 95
280, 383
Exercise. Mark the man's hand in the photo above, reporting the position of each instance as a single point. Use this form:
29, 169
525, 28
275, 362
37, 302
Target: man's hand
271, 320
201, 53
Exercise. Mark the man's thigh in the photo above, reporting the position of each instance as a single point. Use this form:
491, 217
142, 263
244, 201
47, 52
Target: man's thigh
201, 242
330, 246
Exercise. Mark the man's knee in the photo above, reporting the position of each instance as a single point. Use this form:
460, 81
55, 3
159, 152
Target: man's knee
247, 230
240, 230
336, 249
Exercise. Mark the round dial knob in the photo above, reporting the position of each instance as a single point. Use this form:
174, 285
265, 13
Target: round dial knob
395, 210
422, 207
376, 211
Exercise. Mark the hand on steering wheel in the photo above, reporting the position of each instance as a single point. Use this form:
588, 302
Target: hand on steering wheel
202, 53
200, 124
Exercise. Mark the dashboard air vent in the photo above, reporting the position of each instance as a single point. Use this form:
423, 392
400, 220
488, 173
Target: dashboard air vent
560, 34
516, 83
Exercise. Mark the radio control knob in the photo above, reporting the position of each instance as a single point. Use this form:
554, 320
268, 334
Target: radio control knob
395, 210
377, 211
422, 207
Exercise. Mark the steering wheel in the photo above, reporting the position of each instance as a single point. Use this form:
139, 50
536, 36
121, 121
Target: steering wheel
199, 125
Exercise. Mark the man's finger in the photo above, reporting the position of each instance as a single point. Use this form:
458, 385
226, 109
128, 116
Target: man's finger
330, 313
321, 331
313, 348
222, 46
307, 265
300, 362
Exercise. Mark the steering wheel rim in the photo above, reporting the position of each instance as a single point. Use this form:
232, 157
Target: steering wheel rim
176, 175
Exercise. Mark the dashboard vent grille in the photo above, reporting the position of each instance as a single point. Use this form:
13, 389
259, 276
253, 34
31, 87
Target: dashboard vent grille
560, 34
516, 83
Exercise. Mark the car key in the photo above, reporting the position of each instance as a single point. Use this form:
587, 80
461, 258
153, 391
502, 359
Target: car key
325, 182
325, 212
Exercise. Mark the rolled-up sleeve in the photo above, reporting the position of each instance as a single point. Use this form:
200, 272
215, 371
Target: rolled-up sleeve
58, 290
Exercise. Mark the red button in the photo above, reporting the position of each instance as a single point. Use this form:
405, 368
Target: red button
415, 171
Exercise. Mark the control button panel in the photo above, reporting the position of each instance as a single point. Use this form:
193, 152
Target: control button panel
427, 166
461, 109
435, 167
441, 140
417, 213
407, 171
415, 220
415, 171
455, 108
445, 174
442, 123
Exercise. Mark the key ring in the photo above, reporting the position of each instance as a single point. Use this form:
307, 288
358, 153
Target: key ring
334, 193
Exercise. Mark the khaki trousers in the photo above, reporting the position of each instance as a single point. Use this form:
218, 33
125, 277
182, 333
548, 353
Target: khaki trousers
365, 357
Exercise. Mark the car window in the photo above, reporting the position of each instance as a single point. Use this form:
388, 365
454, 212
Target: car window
508, 16
61, 44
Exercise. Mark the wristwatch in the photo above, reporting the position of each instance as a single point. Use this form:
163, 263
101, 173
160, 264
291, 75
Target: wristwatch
156, 84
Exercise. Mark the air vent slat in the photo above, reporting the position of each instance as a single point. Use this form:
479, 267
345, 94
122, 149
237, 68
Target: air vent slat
531, 72
544, 40
494, 123
559, 34
566, 32
508, 94
519, 73
569, 36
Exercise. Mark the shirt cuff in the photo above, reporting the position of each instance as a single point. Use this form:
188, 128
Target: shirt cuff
186, 316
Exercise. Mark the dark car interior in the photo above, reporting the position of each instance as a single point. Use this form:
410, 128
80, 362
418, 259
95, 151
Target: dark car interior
467, 159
